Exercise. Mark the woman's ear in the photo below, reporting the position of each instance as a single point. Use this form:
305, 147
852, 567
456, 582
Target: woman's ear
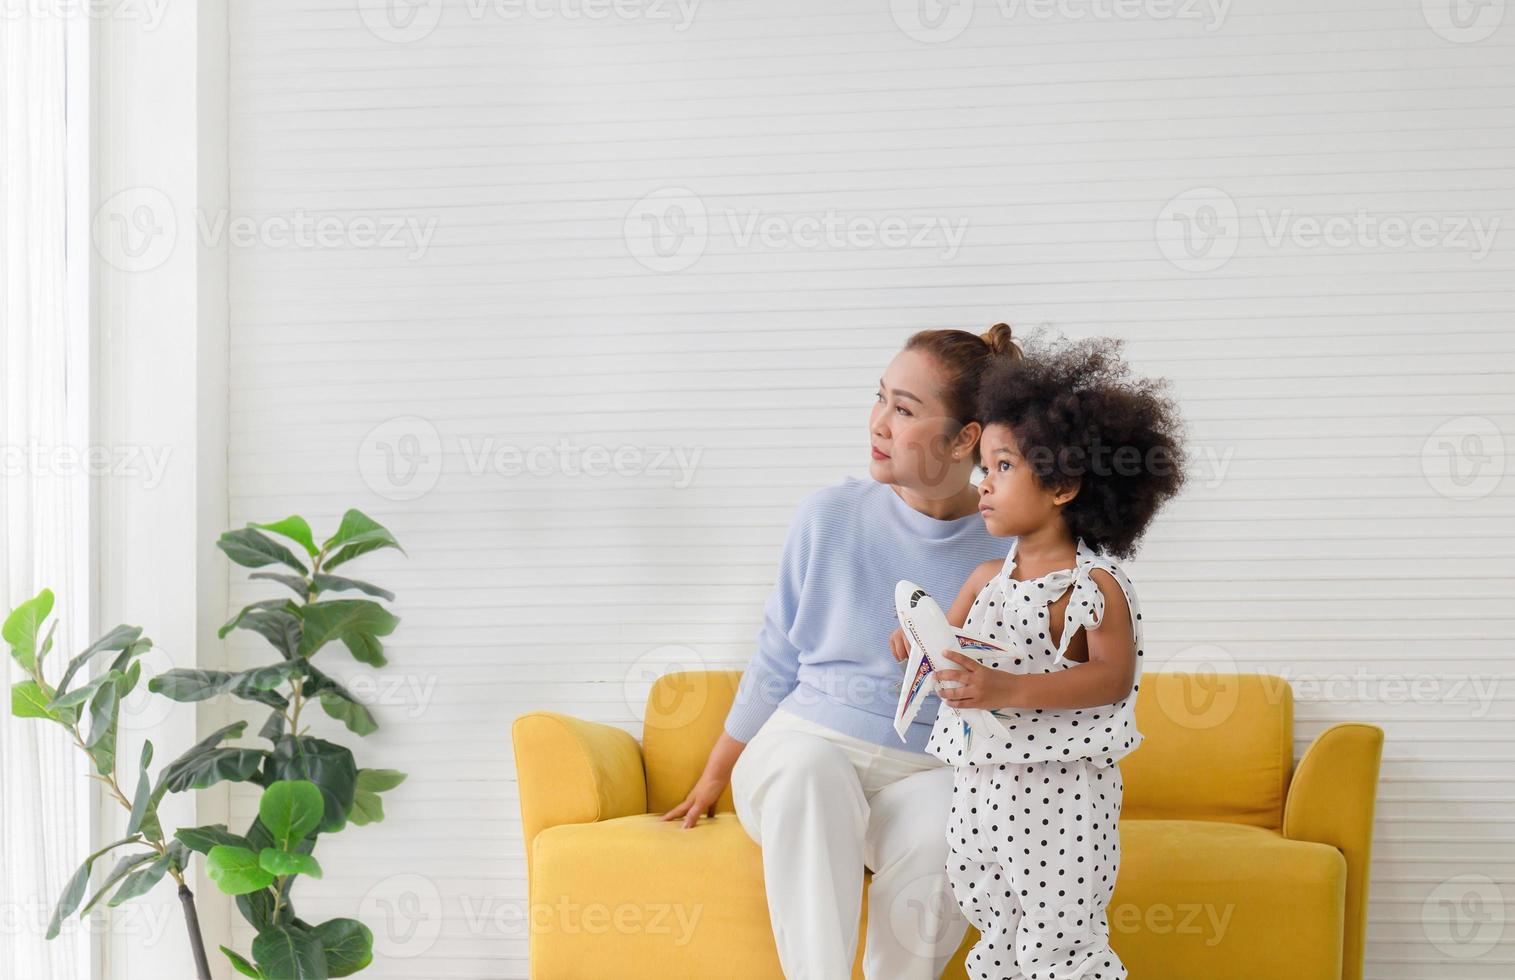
967, 437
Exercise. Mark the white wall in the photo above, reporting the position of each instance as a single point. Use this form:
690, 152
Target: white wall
1327, 541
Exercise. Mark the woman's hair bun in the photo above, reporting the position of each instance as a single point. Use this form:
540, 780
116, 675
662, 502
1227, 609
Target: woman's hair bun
1000, 342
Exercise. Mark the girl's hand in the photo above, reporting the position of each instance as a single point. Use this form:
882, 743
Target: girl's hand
701, 800
974, 686
898, 645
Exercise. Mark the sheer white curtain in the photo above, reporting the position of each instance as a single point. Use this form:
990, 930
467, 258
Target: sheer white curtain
44, 519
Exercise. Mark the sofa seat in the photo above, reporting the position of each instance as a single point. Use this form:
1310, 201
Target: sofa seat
1216, 897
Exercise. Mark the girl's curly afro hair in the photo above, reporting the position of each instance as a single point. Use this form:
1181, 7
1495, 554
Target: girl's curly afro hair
1081, 419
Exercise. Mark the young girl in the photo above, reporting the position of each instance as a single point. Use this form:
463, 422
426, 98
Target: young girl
1078, 458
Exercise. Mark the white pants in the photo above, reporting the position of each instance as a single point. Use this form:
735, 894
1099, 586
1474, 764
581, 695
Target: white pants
824, 805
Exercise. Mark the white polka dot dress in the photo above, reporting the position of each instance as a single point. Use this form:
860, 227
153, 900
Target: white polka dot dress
1034, 824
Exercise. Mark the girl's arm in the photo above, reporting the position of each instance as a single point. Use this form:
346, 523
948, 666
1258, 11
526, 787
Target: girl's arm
1105, 679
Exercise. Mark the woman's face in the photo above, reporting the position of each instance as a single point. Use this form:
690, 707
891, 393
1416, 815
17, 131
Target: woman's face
915, 444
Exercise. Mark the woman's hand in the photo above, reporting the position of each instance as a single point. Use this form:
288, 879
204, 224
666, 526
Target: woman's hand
898, 645
701, 800
974, 686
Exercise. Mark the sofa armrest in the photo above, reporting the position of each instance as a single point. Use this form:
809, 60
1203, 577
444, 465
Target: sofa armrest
573, 771
1330, 801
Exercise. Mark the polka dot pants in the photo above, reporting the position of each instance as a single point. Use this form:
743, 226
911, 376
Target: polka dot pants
1034, 850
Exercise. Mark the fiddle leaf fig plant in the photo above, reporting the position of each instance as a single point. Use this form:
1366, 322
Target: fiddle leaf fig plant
90, 712
311, 785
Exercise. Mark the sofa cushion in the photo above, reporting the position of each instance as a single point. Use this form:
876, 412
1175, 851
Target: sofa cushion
638, 898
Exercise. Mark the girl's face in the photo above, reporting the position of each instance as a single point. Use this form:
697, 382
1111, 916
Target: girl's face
1012, 500
915, 444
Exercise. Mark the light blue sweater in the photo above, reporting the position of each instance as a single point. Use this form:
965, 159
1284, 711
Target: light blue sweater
823, 650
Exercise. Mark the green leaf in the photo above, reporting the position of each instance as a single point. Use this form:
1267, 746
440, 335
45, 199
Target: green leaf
273, 726
82, 694
379, 780
346, 619
140, 882
235, 870
291, 809
252, 548
241, 965
357, 528
289, 954
367, 808
258, 909
277, 862
205, 765
328, 765
47, 644
296, 584
28, 700
336, 583
123, 638
358, 719
202, 839
295, 529
144, 816
123, 867
23, 624
178, 856
73, 892
186, 684
348, 945
262, 605
203, 768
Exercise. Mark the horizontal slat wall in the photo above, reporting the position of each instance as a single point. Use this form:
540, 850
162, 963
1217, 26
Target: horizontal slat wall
1323, 536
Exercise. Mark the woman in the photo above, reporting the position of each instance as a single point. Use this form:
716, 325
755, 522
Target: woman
819, 777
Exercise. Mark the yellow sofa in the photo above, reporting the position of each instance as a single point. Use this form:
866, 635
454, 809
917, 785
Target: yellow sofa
1235, 864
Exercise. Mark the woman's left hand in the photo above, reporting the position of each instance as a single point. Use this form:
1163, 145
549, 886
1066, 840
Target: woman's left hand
981, 687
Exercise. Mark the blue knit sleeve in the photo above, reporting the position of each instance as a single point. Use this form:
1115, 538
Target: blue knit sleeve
772, 672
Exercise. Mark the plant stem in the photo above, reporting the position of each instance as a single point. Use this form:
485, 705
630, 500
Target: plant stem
192, 923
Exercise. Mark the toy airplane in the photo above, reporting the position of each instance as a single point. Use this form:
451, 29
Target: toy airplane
929, 634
